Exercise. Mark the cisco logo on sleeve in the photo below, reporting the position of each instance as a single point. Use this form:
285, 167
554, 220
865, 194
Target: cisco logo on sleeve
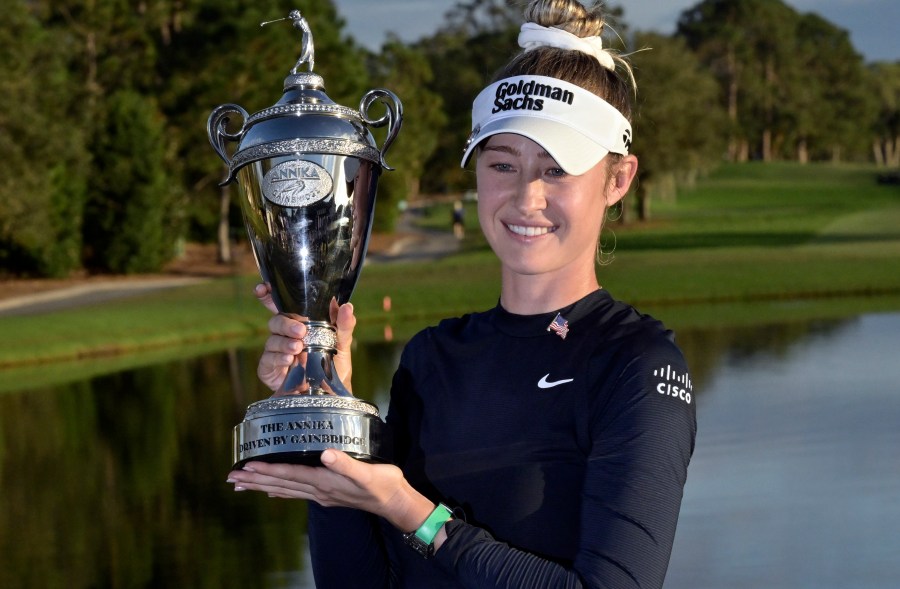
673, 384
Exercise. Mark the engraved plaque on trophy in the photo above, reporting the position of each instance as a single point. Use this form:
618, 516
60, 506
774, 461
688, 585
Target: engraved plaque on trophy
307, 171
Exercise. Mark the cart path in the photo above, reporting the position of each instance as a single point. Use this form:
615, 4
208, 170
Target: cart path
412, 244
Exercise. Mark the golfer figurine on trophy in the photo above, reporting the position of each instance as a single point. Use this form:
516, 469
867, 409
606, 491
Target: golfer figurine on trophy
307, 171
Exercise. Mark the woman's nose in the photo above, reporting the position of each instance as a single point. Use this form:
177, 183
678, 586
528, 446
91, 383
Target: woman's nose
531, 194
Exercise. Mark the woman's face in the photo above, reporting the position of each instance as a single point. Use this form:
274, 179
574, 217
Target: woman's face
537, 218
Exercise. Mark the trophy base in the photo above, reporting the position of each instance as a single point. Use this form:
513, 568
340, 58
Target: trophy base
296, 429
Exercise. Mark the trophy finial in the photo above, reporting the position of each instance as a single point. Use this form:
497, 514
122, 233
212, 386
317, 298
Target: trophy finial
307, 51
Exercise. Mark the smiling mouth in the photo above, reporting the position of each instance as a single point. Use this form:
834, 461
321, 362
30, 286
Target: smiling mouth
530, 231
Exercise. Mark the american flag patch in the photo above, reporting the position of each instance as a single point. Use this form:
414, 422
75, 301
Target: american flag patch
560, 325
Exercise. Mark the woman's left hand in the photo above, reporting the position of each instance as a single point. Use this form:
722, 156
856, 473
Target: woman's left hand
377, 488
284, 348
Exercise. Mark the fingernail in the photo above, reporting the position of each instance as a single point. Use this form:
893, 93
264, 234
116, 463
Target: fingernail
249, 469
239, 488
327, 457
231, 480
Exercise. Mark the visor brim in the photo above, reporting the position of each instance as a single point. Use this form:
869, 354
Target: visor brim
572, 151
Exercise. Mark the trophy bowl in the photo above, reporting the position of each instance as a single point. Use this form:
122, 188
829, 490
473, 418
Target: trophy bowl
307, 171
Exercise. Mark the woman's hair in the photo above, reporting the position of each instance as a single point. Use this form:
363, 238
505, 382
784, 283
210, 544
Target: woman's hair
615, 87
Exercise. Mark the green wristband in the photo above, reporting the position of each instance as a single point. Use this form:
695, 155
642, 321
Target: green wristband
432, 524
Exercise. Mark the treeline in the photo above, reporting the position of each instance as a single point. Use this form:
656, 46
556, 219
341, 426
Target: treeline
104, 102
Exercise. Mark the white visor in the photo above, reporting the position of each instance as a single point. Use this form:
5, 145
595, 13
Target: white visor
576, 127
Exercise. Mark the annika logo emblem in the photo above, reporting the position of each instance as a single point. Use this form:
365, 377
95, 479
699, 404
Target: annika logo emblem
673, 384
297, 183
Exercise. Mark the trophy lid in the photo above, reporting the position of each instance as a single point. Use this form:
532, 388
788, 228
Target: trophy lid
305, 119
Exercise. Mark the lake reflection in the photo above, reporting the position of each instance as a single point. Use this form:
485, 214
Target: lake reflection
119, 480
795, 480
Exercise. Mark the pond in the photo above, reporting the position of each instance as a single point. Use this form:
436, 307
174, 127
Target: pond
118, 479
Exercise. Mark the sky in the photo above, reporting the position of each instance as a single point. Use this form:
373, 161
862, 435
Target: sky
874, 25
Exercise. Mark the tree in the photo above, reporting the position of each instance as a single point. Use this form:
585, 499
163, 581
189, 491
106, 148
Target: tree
109, 43
831, 108
747, 44
793, 84
112, 57
885, 83
129, 216
679, 122
43, 149
407, 73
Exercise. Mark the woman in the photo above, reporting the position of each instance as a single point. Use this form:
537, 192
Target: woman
542, 443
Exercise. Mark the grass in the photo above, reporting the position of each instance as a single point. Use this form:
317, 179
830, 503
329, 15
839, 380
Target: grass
769, 205
748, 239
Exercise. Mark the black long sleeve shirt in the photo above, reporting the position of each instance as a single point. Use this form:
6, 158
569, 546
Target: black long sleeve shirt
567, 456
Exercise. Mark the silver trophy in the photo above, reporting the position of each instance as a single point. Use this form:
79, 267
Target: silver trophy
307, 169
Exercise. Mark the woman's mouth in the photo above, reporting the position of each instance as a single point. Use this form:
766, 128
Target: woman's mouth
529, 231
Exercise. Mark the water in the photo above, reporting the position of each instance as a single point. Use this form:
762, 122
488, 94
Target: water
118, 480
795, 481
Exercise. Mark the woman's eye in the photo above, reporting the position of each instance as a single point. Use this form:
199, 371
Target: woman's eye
500, 167
556, 172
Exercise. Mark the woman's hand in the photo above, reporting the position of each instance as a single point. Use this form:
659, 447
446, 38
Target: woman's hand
376, 488
284, 348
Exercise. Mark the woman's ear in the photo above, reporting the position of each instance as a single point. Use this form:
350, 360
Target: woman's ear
623, 174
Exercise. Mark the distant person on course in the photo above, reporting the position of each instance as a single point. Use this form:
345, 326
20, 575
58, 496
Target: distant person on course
459, 220
544, 442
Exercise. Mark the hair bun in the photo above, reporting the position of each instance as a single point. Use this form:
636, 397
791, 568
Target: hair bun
569, 15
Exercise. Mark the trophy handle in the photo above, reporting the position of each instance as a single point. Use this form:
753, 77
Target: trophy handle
217, 131
393, 116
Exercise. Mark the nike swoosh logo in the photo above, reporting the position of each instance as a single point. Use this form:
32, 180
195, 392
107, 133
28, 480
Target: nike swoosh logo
545, 384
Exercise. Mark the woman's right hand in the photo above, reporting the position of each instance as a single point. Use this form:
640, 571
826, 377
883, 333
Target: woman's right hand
284, 348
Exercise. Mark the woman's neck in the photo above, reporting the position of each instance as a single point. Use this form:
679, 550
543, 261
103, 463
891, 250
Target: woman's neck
543, 293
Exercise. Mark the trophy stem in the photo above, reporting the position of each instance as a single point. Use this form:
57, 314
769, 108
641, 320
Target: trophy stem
319, 376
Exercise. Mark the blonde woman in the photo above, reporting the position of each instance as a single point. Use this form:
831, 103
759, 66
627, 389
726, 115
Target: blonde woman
544, 442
